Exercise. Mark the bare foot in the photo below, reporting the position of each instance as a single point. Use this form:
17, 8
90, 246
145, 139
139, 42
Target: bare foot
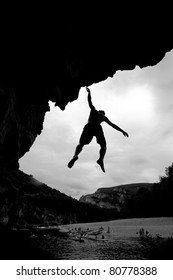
72, 161
100, 162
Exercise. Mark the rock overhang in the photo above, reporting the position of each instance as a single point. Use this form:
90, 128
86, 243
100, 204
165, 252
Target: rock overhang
40, 67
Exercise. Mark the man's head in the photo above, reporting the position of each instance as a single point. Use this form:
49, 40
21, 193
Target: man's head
102, 112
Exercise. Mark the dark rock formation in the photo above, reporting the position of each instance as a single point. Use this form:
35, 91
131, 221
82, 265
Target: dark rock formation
40, 63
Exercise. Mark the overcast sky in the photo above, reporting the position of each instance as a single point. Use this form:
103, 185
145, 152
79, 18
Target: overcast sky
140, 101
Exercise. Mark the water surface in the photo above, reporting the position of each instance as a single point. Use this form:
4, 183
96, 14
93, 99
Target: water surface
122, 242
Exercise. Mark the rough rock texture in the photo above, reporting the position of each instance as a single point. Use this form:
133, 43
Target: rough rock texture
114, 197
39, 64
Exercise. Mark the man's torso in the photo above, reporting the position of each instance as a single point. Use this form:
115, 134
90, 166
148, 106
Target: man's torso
96, 117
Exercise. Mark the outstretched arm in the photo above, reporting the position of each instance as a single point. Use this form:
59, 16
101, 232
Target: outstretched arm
116, 127
89, 98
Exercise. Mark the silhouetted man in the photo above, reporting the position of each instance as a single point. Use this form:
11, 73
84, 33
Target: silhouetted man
93, 128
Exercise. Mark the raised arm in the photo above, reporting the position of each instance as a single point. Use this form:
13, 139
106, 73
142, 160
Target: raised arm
89, 99
116, 127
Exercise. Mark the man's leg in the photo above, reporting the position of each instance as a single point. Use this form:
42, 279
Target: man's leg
75, 157
101, 158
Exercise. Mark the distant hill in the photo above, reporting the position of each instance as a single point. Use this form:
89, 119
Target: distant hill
24, 201
120, 198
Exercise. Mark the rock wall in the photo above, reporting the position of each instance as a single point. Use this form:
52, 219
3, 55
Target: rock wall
39, 64
114, 197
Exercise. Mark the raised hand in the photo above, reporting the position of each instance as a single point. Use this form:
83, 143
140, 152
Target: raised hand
87, 89
125, 134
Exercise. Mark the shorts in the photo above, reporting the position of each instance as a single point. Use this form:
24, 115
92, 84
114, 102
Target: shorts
90, 130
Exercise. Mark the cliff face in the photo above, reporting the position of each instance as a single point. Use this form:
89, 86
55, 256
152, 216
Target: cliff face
39, 64
135, 200
114, 197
